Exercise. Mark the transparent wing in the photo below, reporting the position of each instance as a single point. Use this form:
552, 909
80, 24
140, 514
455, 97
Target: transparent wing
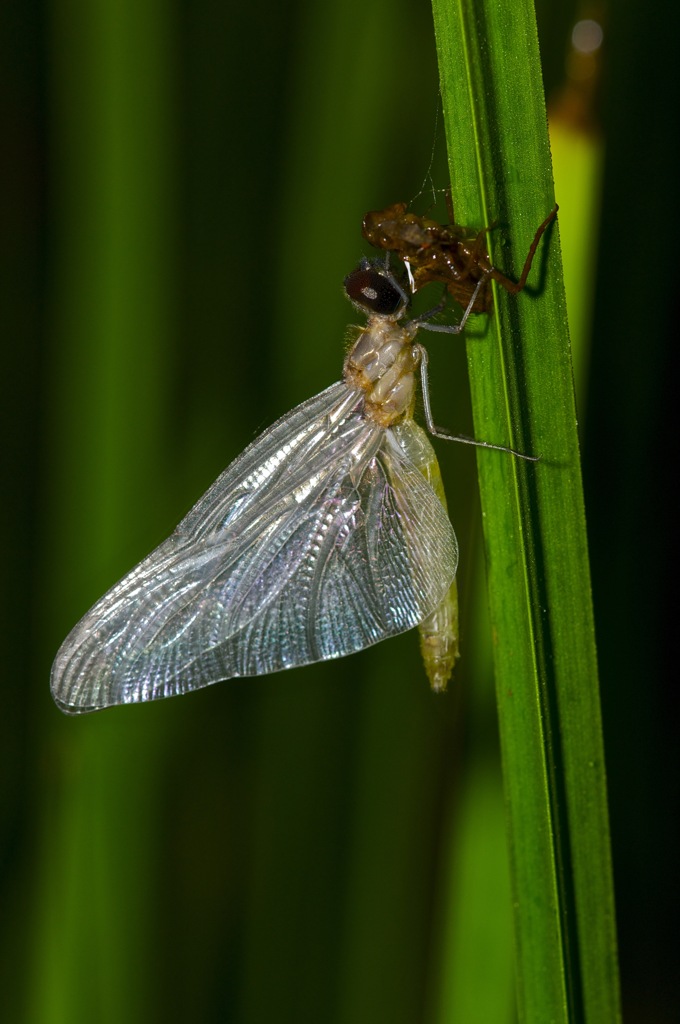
323, 537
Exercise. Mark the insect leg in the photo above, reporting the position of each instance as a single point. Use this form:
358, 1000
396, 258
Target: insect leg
516, 286
451, 328
446, 435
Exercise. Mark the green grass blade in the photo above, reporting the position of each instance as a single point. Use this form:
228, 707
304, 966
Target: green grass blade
537, 561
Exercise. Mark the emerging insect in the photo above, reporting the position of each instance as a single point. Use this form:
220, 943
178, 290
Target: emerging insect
328, 534
448, 253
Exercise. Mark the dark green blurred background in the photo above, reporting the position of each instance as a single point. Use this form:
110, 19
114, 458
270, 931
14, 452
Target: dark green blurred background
183, 191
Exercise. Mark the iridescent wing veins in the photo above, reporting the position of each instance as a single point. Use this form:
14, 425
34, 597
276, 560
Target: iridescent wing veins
322, 538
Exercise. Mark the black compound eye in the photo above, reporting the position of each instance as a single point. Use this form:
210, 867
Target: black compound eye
374, 292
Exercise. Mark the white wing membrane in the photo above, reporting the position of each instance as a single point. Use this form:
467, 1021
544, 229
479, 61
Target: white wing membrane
322, 538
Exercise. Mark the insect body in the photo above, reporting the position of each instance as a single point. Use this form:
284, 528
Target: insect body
448, 253
328, 534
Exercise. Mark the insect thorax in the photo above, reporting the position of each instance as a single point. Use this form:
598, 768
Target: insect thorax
382, 363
